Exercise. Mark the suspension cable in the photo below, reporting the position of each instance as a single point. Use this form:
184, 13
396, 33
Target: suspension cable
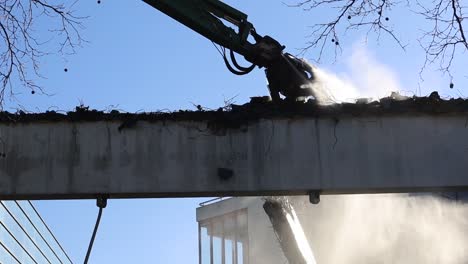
17, 242
25, 232
50, 232
9, 252
35, 228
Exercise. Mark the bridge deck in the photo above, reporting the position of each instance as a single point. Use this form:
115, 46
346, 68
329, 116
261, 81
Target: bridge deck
263, 149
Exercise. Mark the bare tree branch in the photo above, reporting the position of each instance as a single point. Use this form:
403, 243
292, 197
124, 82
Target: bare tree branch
447, 32
30, 29
448, 18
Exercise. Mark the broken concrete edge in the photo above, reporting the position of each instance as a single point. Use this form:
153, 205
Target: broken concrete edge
235, 116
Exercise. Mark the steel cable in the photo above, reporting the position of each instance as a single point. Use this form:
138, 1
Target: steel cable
50, 232
26, 233
101, 203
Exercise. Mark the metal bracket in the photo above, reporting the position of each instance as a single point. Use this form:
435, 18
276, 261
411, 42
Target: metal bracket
314, 197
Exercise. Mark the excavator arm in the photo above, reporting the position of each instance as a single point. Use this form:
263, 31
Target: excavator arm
204, 17
286, 74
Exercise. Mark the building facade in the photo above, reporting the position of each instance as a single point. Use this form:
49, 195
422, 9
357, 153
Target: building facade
236, 231
364, 229
25, 238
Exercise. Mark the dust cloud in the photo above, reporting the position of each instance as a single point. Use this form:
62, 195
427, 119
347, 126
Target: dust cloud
364, 77
300, 236
369, 229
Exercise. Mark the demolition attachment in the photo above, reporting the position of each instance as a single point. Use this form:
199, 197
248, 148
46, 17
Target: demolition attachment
287, 75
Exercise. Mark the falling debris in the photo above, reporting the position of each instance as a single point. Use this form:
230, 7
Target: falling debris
289, 231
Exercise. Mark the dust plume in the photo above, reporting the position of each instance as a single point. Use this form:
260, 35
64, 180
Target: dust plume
300, 237
369, 229
364, 77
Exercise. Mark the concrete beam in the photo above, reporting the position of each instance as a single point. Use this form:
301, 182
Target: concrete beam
283, 156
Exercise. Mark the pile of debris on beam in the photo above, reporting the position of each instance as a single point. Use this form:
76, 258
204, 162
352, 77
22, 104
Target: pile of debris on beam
260, 108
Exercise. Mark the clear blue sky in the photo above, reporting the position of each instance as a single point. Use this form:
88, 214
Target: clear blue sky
138, 59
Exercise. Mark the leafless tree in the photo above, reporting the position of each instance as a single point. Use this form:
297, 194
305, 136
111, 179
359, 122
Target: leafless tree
446, 37
29, 30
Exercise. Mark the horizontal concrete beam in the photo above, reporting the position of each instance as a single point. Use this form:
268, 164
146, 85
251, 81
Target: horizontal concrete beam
373, 154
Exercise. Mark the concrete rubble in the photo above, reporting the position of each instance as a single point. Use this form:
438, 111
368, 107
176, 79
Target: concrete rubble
259, 108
